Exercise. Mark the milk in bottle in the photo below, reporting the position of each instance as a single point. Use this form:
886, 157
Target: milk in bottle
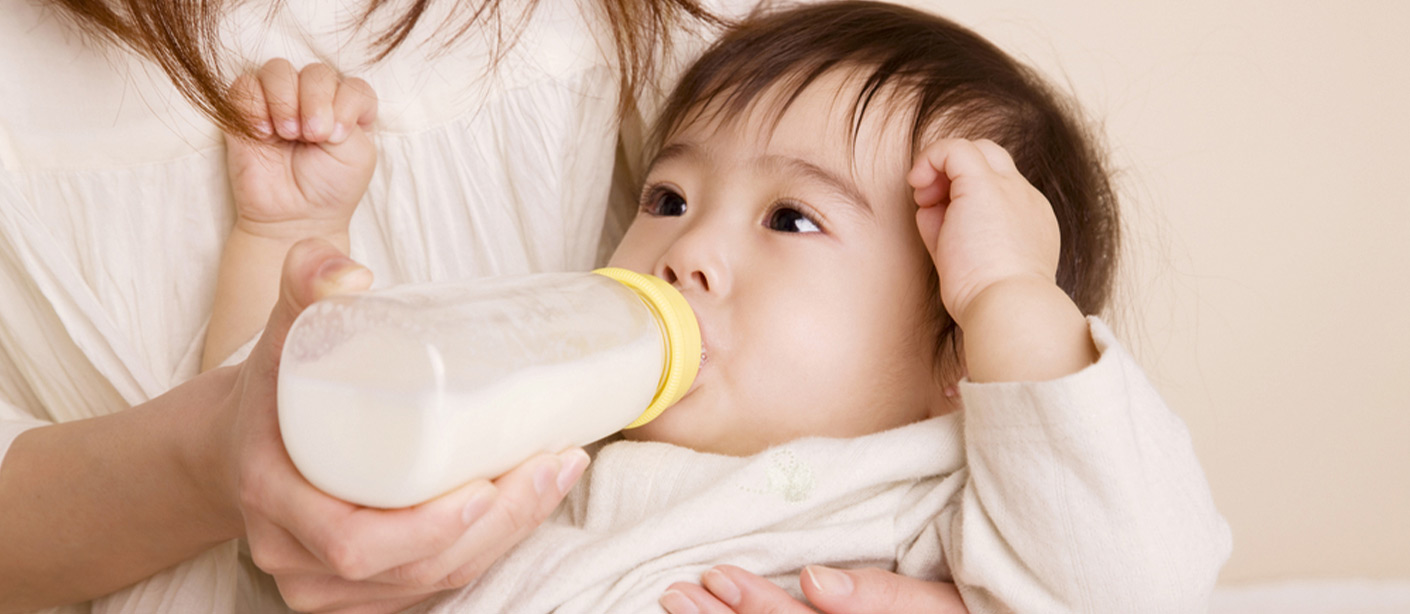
391, 397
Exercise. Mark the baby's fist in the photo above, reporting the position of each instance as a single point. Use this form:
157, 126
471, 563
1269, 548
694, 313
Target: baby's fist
982, 221
311, 166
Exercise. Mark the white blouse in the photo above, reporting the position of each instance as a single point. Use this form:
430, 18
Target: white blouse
114, 201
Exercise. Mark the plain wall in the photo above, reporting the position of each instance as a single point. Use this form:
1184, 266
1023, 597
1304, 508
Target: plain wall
1263, 157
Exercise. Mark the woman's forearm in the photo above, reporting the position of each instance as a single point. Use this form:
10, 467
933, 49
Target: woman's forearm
94, 505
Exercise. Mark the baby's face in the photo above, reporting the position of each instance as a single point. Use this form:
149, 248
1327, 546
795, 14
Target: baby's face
805, 270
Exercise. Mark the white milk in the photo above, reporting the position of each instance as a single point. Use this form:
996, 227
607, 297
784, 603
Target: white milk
388, 402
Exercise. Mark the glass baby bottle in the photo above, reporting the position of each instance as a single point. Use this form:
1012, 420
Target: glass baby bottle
392, 397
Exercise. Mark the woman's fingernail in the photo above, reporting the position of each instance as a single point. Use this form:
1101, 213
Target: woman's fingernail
341, 274
676, 602
575, 461
829, 581
477, 506
546, 475
718, 583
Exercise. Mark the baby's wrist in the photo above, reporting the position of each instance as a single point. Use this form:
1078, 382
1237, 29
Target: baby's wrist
1025, 329
1003, 296
288, 232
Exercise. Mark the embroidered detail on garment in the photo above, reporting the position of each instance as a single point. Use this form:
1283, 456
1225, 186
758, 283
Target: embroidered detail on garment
787, 477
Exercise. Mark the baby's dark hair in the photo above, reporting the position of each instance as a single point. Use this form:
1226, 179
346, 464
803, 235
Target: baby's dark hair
955, 82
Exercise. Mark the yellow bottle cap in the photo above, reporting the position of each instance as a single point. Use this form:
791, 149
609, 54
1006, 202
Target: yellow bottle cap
682, 348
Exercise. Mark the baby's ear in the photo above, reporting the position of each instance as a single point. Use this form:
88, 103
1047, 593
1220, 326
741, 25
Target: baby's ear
949, 370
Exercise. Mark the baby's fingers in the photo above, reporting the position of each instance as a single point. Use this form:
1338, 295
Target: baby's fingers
318, 84
354, 105
249, 98
947, 161
281, 94
997, 157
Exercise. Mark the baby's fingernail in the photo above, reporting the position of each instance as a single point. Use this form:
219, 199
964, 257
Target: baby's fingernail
477, 506
312, 126
829, 581
546, 475
263, 129
340, 134
676, 602
718, 583
289, 129
575, 461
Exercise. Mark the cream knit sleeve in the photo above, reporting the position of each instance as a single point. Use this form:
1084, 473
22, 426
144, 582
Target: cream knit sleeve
1083, 495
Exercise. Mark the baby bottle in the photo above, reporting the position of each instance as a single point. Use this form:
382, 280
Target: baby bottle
391, 397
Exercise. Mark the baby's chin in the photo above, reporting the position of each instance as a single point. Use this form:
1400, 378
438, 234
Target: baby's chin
691, 434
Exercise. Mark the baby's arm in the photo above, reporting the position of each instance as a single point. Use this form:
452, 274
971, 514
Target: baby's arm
303, 179
1083, 493
994, 239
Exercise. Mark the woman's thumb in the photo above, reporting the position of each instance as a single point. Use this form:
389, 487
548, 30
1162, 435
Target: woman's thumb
313, 269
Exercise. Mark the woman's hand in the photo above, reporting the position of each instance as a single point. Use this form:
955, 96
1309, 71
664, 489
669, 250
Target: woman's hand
726, 588
306, 175
329, 555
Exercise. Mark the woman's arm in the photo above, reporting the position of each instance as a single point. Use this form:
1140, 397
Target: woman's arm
97, 504
94, 505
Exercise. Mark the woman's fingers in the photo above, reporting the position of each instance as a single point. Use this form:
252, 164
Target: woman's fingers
726, 588
687, 598
876, 591
747, 593
526, 496
445, 543
357, 543
280, 83
325, 592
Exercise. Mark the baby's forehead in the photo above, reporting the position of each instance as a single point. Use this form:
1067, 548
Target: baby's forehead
835, 111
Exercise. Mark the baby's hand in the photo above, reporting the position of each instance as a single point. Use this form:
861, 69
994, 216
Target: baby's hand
982, 222
306, 175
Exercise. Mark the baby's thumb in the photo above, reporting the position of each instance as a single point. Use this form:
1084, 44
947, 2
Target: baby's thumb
313, 269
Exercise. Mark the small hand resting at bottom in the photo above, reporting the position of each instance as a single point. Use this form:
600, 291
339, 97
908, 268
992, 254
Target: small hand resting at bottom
726, 589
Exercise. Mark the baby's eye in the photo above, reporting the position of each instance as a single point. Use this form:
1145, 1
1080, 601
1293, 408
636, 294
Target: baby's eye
664, 202
788, 219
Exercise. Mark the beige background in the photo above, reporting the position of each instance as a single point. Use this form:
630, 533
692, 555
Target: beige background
1263, 151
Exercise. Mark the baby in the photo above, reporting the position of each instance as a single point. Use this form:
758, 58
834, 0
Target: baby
879, 219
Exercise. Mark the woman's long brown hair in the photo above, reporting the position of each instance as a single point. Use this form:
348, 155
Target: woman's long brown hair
183, 38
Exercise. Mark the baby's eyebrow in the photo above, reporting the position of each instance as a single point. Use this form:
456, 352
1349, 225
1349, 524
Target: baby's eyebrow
672, 152
843, 186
